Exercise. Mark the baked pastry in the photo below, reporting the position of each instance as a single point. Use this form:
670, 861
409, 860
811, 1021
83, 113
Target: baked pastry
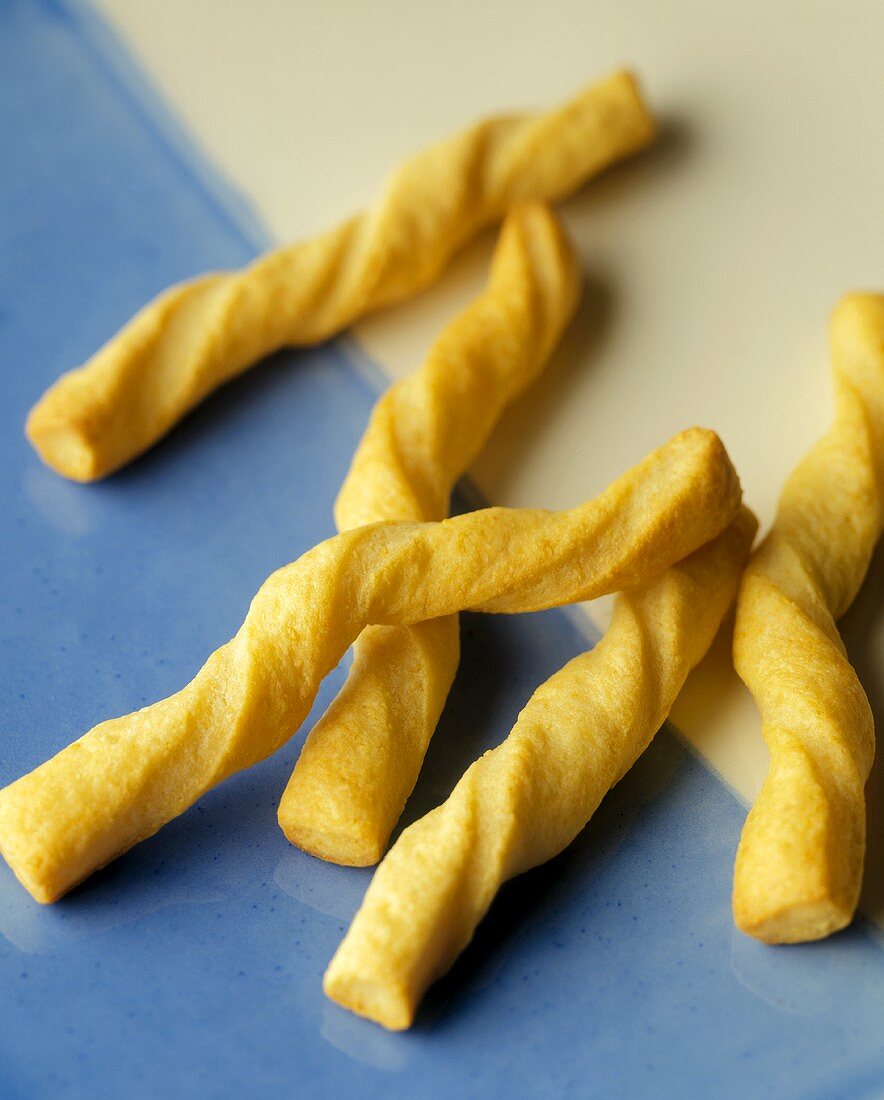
799, 864
126, 778
362, 758
201, 333
523, 802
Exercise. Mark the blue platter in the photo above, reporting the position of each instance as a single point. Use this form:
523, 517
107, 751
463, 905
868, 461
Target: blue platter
192, 966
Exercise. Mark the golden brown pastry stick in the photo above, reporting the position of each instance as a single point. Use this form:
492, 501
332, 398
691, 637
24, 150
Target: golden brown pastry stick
361, 760
127, 777
201, 333
799, 864
523, 802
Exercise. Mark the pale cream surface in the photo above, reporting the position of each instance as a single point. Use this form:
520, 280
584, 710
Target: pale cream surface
713, 261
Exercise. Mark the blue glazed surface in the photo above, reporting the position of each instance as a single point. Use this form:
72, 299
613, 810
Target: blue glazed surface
192, 966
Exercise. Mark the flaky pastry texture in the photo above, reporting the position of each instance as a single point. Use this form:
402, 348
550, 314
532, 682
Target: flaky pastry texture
799, 863
361, 759
523, 802
126, 778
201, 333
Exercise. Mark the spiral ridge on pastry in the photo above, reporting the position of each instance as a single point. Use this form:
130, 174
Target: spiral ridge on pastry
201, 333
523, 802
799, 864
362, 758
126, 778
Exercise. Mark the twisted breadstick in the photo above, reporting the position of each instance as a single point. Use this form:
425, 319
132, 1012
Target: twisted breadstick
199, 334
127, 777
523, 802
360, 761
799, 864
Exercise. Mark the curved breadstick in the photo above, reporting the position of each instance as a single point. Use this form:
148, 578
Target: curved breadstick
799, 864
127, 777
361, 760
199, 334
523, 802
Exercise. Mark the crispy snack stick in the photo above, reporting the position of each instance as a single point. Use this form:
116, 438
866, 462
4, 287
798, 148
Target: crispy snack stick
126, 778
362, 758
799, 864
523, 802
201, 333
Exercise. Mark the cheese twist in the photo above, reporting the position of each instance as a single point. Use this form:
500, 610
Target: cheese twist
523, 802
361, 760
201, 333
799, 864
126, 778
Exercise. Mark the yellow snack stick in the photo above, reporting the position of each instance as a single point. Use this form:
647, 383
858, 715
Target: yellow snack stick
126, 778
201, 333
799, 864
361, 760
523, 802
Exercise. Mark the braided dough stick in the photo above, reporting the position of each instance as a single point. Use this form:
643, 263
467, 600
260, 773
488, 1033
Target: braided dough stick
126, 778
361, 760
201, 333
523, 802
799, 864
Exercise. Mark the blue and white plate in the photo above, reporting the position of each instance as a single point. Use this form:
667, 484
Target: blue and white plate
192, 966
